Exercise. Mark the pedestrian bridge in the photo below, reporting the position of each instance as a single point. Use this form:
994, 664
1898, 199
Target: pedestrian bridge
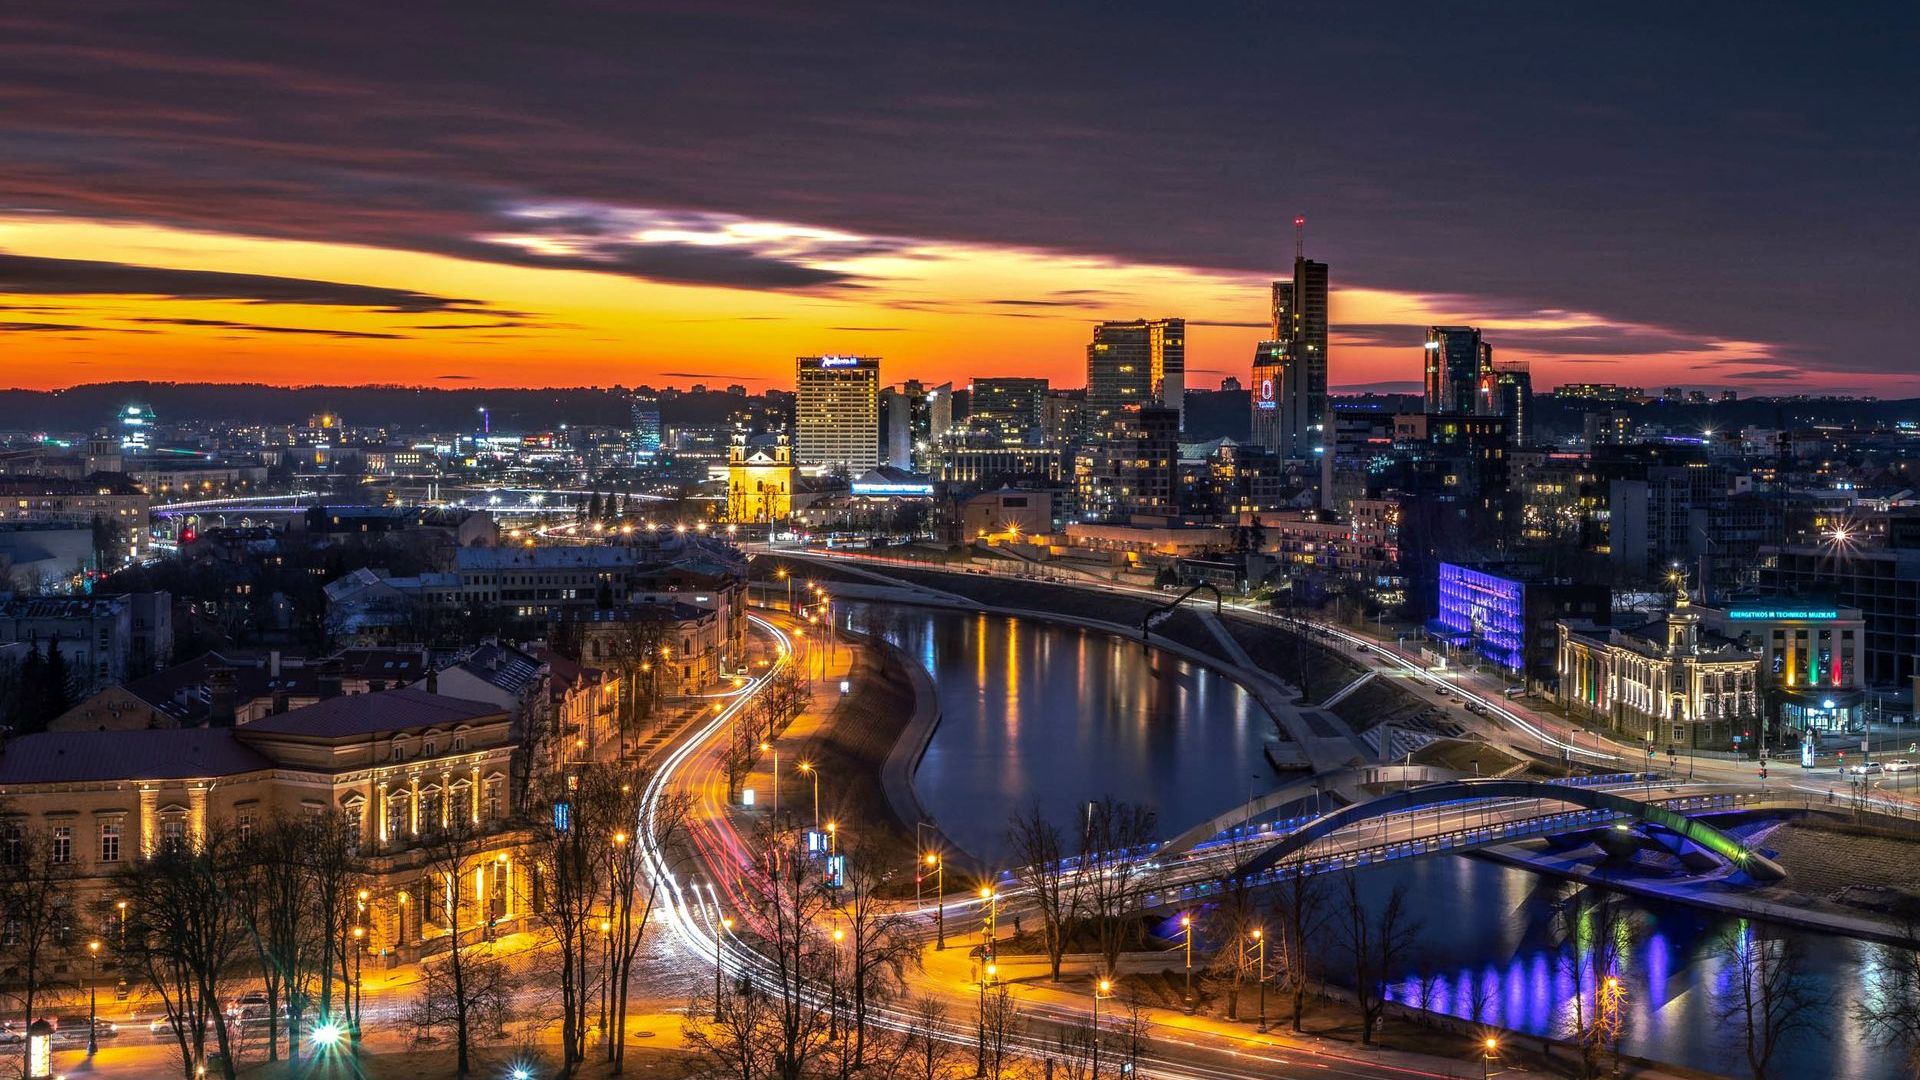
1460, 814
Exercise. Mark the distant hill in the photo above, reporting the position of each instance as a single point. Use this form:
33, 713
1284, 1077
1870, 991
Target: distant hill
83, 408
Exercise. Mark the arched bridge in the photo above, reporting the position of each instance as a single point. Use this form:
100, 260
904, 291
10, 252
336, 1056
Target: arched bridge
1345, 784
1698, 833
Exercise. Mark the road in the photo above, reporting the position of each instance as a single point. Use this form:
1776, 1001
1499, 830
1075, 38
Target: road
709, 883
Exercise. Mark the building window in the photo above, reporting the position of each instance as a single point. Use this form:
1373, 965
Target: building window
13, 844
244, 819
173, 832
492, 809
61, 844
109, 841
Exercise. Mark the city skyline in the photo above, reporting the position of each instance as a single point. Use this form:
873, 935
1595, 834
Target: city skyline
383, 216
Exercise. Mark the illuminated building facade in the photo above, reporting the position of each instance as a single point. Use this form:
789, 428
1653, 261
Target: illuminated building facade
1505, 613
836, 413
1811, 660
1299, 336
1665, 682
1130, 365
759, 483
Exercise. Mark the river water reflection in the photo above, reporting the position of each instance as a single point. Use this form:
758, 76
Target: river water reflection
1040, 711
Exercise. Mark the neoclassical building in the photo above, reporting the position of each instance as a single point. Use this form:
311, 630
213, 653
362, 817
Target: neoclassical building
395, 763
1668, 682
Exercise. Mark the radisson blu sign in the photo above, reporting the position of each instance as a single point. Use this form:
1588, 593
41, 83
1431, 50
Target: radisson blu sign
1783, 614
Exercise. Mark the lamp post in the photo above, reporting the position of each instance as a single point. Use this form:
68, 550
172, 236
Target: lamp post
833, 831
1102, 989
939, 900
1488, 1048
726, 926
992, 898
359, 948
606, 964
1186, 927
807, 767
122, 905
987, 971
766, 747
1260, 950
93, 989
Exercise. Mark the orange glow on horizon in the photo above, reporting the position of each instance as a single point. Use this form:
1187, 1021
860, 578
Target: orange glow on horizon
939, 312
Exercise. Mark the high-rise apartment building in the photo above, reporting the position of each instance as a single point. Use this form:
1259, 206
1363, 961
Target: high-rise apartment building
836, 412
1009, 411
1456, 359
1290, 368
643, 432
1511, 396
1133, 364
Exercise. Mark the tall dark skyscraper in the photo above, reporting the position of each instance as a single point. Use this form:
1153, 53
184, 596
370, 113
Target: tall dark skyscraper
1455, 362
1131, 364
1290, 368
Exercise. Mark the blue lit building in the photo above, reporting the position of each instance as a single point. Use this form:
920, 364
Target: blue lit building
1504, 613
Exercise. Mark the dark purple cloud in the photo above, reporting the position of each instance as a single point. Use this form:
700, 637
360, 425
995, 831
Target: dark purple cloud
41, 276
1620, 161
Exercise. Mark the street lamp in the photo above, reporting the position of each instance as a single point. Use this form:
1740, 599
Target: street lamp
1186, 928
726, 926
765, 748
1260, 948
359, 948
122, 905
833, 831
939, 900
807, 767
93, 989
1103, 989
1489, 1047
987, 971
992, 898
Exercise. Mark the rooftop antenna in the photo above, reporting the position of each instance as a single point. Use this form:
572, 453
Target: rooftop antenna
1299, 238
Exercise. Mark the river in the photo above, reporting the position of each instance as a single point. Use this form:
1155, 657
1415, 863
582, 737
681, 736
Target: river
1044, 711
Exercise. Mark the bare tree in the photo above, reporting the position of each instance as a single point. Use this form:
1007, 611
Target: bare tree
1001, 1020
739, 1037
927, 1051
332, 873
1232, 918
1131, 1035
1597, 932
1112, 849
184, 936
1298, 910
1376, 943
789, 916
1767, 995
663, 823
482, 1000
1888, 1012
880, 946
1040, 861
36, 900
270, 892
569, 865
450, 855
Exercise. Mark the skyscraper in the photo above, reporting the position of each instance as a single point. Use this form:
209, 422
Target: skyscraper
1456, 359
836, 412
1512, 397
1131, 364
1290, 368
643, 433
1011, 411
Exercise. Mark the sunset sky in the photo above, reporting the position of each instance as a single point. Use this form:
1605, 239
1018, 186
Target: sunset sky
589, 194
